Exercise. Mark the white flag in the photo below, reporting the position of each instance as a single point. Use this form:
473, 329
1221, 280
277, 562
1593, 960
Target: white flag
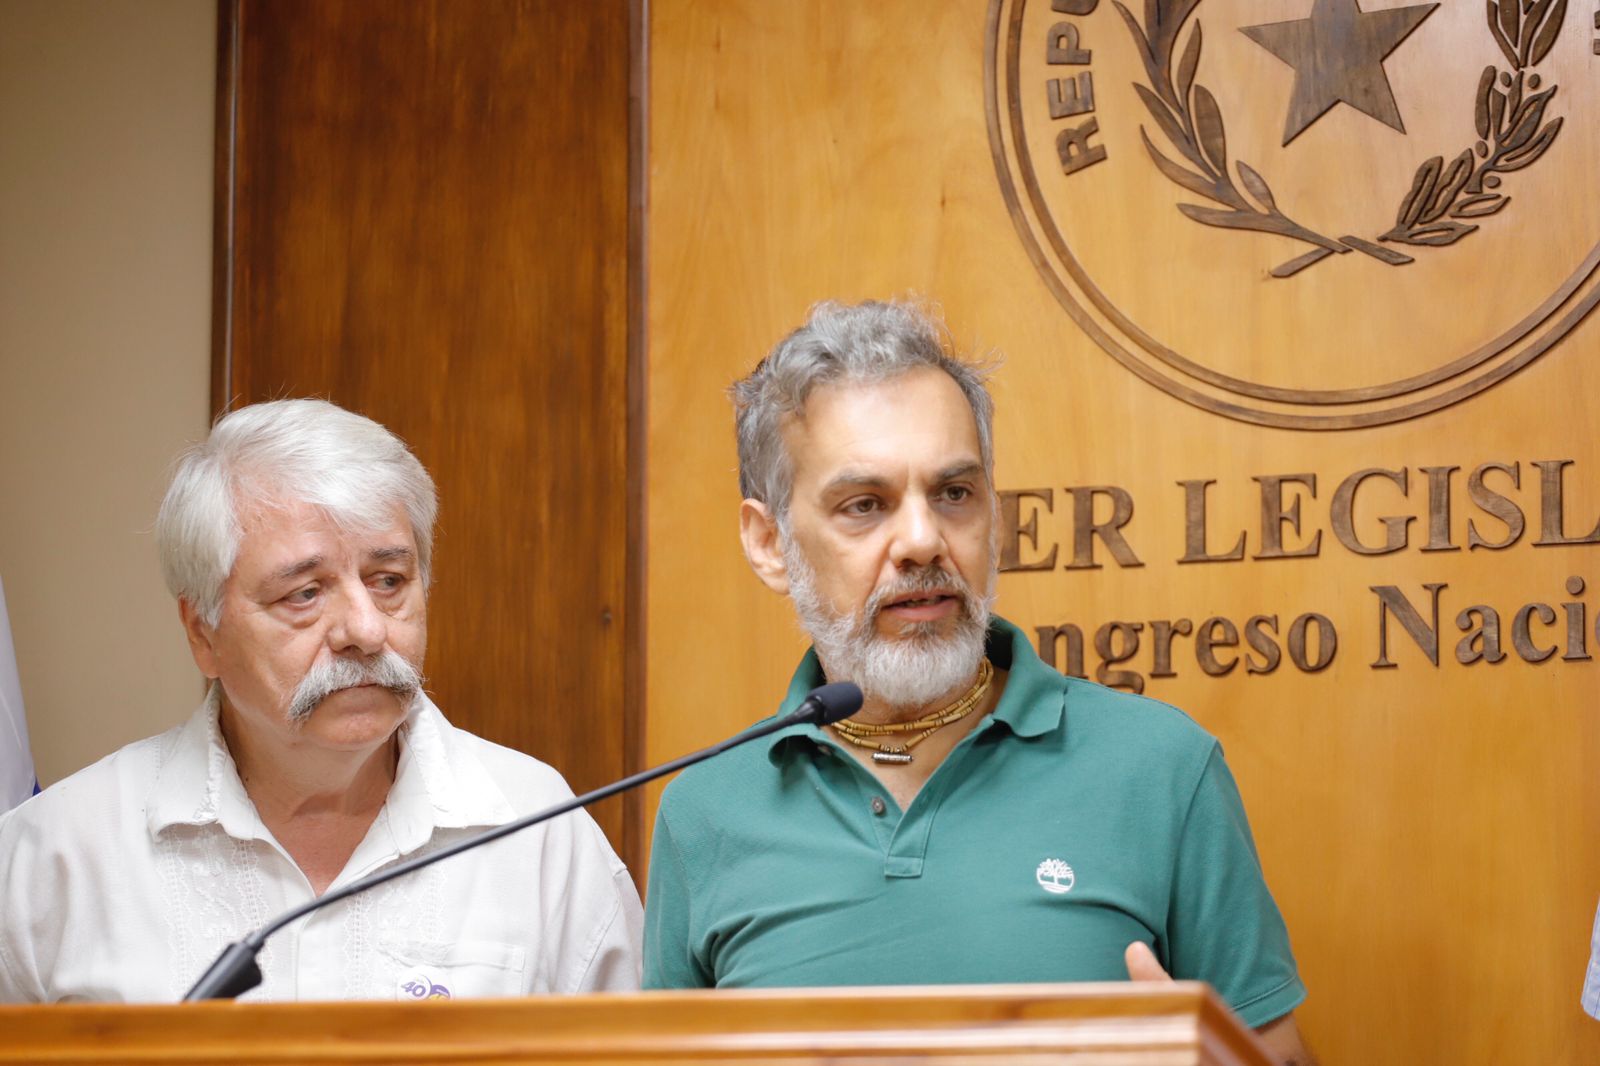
17, 781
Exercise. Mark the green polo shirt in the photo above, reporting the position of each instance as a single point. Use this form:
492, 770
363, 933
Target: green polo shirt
1073, 821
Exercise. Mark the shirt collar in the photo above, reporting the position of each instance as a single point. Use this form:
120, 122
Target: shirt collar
1033, 704
198, 783
439, 781
1035, 699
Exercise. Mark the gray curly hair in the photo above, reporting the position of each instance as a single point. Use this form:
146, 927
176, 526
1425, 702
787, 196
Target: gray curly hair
867, 342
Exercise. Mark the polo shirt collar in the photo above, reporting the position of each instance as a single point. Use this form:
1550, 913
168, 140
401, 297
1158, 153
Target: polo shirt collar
807, 676
1033, 704
439, 781
1035, 699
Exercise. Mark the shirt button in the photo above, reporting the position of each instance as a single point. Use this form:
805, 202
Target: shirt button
878, 806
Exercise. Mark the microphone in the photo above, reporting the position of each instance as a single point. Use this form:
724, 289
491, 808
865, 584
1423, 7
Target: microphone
823, 705
235, 971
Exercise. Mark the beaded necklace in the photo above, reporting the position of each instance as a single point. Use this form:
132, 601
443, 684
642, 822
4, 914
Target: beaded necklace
862, 734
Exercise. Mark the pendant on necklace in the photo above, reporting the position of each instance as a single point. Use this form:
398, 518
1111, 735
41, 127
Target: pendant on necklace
892, 756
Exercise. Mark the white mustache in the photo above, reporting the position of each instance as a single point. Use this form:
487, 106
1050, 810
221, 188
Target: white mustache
387, 670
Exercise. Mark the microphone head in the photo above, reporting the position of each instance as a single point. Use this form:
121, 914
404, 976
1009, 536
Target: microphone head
833, 702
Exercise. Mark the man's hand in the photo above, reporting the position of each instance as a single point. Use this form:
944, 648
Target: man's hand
1281, 1035
1142, 964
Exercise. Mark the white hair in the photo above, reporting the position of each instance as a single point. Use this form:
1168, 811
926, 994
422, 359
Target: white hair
271, 454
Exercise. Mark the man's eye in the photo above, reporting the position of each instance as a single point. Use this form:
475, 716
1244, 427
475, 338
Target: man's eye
864, 505
957, 493
387, 582
303, 596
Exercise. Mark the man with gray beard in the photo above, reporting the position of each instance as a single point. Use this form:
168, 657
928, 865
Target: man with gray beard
298, 541
982, 818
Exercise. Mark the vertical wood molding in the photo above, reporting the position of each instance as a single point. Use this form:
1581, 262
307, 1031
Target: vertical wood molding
223, 205
636, 830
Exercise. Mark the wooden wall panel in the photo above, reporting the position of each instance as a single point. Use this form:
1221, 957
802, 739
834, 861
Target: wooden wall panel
423, 215
1430, 831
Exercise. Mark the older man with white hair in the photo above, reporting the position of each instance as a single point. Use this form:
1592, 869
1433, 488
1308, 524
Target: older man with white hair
982, 818
298, 541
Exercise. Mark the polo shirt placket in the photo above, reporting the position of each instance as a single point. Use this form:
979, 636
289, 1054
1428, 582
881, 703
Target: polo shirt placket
901, 835
1031, 704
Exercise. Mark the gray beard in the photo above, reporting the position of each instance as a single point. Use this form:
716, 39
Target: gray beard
911, 671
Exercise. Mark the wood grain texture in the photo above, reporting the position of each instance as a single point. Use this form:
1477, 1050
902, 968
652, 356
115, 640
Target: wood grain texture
1077, 1025
429, 224
1432, 833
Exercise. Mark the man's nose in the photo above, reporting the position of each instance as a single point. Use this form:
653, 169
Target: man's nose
919, 538
358, 625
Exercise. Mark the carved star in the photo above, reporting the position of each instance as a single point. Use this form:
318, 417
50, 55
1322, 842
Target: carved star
1337, 55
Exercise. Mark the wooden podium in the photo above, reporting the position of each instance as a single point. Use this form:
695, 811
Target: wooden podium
1103, 1025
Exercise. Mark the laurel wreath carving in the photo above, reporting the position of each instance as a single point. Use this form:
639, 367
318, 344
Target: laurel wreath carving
1509, 117
1512, 132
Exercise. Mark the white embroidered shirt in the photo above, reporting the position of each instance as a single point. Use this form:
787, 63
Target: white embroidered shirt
124, 881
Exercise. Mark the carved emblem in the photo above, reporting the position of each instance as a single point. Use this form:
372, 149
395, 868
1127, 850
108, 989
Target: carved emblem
1188, 115
1095, 106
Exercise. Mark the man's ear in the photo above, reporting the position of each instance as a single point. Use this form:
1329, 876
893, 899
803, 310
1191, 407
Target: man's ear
202, 639
763, 546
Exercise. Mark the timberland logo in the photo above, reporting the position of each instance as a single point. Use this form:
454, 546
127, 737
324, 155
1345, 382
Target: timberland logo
1305, 213
1055, 877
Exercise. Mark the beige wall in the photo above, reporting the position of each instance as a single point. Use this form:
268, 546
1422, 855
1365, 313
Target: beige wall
105, 272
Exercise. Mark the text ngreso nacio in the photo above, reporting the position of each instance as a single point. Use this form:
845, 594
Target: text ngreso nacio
1097, 520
